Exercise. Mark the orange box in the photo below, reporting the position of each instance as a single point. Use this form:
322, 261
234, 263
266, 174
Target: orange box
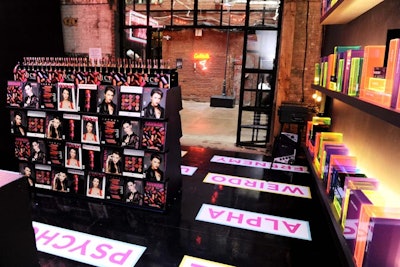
374, 56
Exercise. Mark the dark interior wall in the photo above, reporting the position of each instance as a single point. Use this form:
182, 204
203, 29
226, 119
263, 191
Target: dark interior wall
29, 28
368, 29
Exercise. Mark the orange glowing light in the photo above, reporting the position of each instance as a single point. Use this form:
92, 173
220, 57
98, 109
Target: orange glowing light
201, 56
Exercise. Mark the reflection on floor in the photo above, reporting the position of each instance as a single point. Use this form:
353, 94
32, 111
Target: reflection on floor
169, 237
211, 127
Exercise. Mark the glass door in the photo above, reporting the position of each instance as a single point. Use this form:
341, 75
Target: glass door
257, 88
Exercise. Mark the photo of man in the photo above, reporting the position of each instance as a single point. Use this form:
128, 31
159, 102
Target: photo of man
106, 98
154, 108
30, 95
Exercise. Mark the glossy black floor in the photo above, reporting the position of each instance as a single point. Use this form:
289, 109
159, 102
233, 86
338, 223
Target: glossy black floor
170, 236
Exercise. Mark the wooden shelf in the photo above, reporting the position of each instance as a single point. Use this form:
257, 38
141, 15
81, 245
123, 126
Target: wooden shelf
345, 11
389, 115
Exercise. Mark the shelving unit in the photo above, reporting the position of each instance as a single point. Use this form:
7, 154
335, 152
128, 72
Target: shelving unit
347, 258
345, 11
387, 114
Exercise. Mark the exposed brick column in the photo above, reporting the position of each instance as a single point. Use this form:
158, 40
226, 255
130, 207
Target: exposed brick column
87, 24
300, 49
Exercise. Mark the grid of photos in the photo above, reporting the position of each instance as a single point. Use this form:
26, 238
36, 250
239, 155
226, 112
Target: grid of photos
88, 137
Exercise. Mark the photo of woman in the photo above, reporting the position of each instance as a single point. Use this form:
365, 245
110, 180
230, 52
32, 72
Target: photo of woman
90, 130
60, 182
95, 186
54, 128
73, 157
66, 100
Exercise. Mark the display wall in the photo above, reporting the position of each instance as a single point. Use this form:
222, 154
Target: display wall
98, 130
372, 140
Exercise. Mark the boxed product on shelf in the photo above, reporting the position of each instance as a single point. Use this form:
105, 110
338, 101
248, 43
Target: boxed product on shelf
392, 80
357, 199
331, 148
378, 236
90, 130
317, 72
337, 187
339, 162
340, 52
374, 56
355, 183
355, 76
320, 138
317, 124
349, 63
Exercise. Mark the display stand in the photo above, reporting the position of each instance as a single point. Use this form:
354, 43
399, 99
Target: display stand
77, 144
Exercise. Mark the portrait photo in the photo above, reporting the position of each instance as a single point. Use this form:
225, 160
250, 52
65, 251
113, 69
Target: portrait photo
90, 130
66, 97
95, 185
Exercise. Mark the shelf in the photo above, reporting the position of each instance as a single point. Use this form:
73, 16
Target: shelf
389, 115
345, 11
347, 257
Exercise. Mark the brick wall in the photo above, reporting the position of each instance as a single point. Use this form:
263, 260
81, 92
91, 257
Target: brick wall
300, 49
88, 23
196, 83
